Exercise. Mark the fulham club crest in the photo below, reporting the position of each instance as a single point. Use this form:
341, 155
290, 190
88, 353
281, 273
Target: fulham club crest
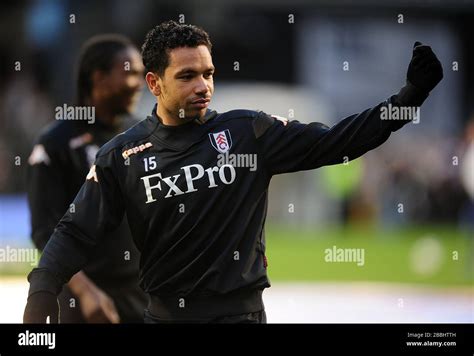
221, 141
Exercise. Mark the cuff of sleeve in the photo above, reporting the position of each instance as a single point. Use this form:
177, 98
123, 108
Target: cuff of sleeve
410, 95
42, 280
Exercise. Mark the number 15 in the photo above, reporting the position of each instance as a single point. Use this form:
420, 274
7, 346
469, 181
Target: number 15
150, 163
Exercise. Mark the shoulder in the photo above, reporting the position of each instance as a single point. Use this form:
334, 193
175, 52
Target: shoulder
134, 136
259, 120
57, 134
237, 114
53, 142
129, 121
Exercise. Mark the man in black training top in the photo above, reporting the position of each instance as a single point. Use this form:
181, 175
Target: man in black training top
109, 78
197, 220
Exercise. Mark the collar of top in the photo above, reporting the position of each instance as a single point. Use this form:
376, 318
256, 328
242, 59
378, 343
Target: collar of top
210, 114
180, 137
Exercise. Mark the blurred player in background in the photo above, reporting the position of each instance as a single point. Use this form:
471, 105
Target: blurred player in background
109, 78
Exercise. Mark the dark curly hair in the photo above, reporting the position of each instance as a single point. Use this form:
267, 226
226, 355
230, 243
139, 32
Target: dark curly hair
166, 36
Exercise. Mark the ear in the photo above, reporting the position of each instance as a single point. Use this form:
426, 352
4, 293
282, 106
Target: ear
98, 78
154, 83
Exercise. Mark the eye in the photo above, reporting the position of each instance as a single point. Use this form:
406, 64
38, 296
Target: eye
186, 77
208, 75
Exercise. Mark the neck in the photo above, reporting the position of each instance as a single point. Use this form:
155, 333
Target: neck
103, 113
169, 119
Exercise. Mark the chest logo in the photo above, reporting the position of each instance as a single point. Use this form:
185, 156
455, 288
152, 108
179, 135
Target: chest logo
136, 149
221, 141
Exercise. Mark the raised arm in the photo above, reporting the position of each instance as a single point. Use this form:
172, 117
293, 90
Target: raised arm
293, 146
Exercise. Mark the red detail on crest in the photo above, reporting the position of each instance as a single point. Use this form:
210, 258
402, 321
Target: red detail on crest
221, 139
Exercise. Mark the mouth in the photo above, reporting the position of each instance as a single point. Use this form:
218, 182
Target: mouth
131, 97
201, 102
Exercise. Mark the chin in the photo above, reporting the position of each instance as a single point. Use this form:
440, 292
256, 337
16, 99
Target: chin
130, 105
195, 114
130, 109
202, 112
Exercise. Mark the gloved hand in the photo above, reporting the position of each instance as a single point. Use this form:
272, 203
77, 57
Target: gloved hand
39, 306
425, 70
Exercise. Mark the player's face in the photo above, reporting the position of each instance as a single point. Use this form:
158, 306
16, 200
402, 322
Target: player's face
122, 84
187, 85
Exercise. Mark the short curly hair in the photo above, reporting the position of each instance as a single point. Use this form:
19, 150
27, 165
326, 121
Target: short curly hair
167, 36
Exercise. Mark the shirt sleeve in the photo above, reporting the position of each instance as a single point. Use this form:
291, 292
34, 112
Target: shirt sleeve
97, 208
294, 146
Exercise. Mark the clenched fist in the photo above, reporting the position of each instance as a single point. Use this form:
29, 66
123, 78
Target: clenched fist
425, 70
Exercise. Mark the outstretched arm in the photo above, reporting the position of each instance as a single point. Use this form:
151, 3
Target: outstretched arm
295, 146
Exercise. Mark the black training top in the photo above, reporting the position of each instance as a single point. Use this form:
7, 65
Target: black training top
199, 224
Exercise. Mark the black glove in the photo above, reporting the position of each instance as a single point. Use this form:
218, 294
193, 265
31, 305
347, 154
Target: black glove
425, 70
42, 301
39, 306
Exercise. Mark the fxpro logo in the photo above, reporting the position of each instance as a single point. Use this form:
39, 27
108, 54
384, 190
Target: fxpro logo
37, 339
214, 175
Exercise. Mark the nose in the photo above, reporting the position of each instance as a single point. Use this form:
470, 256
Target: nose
201, 87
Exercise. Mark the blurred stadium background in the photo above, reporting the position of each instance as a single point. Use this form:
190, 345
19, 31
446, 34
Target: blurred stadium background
409, 204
